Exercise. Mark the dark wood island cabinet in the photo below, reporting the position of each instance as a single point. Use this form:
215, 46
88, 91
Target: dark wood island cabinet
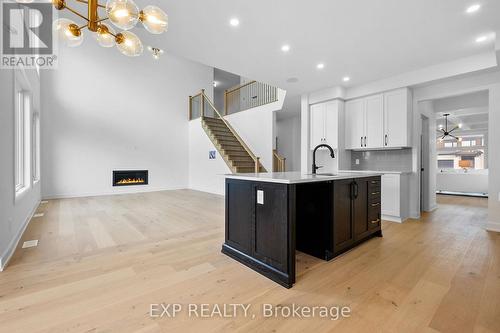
270, 216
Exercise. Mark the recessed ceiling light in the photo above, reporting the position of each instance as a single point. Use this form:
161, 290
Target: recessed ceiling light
285, 48
482, 39
320, 66
472, 9
234, 22
346, 79
215, 84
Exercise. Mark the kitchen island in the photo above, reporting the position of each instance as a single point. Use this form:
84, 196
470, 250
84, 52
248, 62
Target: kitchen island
271, 215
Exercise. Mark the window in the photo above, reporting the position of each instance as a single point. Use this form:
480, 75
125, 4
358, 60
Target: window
466, 143
445, 164
21, 141
36, 146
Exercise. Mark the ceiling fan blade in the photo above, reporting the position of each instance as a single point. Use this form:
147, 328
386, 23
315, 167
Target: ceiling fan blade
454, 137
454, 129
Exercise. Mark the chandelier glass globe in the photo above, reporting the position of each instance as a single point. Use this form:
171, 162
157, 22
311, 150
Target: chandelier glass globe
123, 13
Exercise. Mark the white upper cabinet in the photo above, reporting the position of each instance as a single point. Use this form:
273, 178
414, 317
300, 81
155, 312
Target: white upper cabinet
317, 124
379, 121
355, 124
331, 124
374, 118
397, 116
324, 125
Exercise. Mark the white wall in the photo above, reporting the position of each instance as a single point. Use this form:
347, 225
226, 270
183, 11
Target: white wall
256, 128
15, 213
471, 182
426, 108
204, 174
105, 111
288, 133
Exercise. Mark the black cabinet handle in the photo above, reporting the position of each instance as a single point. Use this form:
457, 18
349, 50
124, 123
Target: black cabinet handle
376, 204
385, 140
356, 190
361, 141
365, 141
375, 221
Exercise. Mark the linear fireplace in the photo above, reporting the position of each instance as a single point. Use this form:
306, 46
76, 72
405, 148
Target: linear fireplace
130, 177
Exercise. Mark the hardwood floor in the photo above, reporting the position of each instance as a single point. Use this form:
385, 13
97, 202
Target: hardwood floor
102, 261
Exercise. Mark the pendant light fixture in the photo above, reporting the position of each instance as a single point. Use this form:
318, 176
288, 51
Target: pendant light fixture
447, 133
123, 14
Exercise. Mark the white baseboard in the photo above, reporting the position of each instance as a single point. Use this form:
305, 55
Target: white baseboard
7, 255
391, 218
431, 209
492, 226
100, 194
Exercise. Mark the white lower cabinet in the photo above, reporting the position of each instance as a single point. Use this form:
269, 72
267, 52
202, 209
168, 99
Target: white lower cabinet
395, 197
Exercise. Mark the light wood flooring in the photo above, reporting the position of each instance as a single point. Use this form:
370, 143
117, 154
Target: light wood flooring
102, 261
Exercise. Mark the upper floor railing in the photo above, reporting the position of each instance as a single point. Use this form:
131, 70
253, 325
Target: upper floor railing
248, 96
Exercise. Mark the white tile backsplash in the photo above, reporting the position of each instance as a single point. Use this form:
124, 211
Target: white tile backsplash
382, 160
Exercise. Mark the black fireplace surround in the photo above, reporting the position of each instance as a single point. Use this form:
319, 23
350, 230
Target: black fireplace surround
130, 177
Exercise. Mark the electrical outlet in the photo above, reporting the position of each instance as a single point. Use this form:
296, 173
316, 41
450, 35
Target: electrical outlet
260, 197
357, 161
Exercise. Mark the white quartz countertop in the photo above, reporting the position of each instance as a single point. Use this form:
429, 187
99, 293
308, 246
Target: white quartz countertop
297, 177
379, 172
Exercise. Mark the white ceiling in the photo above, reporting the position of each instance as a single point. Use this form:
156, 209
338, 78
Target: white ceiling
470, 110
365, 39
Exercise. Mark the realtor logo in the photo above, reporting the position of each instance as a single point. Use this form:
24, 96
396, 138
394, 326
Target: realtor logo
27, 39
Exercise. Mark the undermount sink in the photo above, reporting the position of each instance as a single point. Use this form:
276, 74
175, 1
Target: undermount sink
323, 174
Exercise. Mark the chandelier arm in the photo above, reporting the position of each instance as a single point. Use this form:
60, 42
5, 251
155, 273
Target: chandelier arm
112, 34
76, 13
82, 27
83, 1
103, 19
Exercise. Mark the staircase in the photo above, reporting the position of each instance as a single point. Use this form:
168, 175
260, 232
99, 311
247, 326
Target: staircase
238, 157
231, 150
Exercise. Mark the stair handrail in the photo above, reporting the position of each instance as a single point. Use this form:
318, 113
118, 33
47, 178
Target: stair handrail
281, 161
204, 97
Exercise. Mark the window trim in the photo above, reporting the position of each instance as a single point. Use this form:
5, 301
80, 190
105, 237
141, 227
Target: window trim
22, 142
19, 144
35, 129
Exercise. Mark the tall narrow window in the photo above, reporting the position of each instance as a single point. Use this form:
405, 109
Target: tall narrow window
36, 146
22, 143
19, 142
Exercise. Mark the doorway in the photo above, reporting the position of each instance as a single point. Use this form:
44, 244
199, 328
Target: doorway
454, 147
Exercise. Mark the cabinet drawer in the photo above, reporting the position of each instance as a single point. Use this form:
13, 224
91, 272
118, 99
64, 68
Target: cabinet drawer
374, 221
374, 205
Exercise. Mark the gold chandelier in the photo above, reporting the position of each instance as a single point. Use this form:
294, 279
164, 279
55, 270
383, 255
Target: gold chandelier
124, 14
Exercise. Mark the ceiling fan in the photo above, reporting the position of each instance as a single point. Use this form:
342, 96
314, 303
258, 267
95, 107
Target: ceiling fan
447, 133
